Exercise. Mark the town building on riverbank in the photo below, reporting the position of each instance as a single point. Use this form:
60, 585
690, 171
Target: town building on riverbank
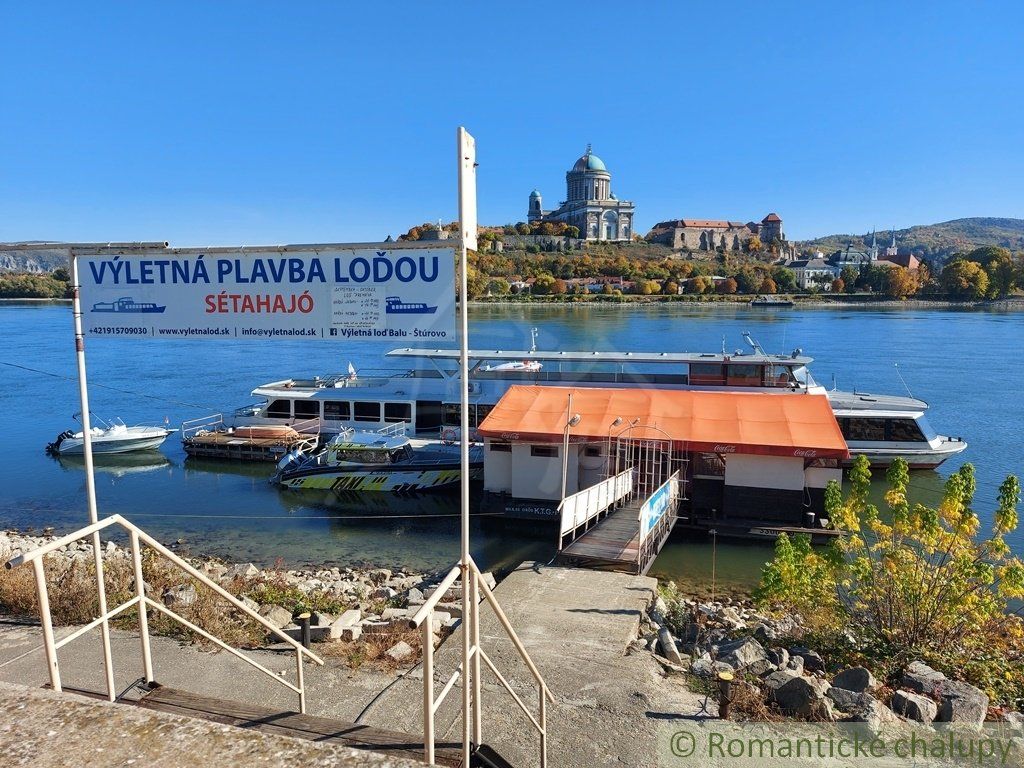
714, 234
589, 205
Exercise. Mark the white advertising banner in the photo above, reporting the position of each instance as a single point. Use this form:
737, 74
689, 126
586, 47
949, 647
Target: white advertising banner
330, 293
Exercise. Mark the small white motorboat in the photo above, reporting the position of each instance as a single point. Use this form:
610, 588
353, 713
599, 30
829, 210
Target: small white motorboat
110, 437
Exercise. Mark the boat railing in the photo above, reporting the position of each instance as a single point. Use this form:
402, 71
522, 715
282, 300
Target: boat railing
143, 603
212, 423
473, 587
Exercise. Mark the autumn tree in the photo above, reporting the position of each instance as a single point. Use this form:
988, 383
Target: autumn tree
768, 286
727, 286
838, 286
754, 244
900, 283
964, 279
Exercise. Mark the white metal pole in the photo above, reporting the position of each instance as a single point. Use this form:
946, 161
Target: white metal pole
90, 478
565, 443
467, 604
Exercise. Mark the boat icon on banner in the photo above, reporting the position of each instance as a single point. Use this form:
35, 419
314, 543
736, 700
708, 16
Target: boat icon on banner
395, 306
128, 305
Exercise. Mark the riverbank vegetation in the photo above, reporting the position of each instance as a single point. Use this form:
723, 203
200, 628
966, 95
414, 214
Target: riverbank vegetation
35, 285
912, 582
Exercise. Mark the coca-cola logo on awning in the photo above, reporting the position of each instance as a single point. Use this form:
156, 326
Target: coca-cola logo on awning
807, 453
725, 449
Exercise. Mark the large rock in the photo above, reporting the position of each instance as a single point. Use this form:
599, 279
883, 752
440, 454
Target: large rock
962, 703
921, 678
667, 644
242, 571
812, 659
857, 679
179, 597
746, 655
707, 668
795, 693
1015, 720
347, 620
861, 708
400, 651
276, 615
779, 657
914, 706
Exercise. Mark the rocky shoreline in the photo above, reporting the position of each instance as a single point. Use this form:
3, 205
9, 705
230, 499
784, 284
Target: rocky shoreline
775, 676
345, 605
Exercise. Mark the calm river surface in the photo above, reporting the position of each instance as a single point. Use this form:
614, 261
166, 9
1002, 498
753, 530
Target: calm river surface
966, 364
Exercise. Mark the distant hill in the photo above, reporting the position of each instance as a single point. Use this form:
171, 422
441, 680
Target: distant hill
33, 260
936, 241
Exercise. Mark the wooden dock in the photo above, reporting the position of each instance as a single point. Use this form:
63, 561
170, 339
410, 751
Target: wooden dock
272, 721
611, 545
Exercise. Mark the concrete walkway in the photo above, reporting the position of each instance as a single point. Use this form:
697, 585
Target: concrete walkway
576, 625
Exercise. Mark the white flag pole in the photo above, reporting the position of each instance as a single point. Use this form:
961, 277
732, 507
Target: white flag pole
90, 477
467, 229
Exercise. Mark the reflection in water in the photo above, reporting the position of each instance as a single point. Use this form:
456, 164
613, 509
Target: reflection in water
118, 464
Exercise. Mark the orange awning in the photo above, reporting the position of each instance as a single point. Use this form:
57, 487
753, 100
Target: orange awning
719, 422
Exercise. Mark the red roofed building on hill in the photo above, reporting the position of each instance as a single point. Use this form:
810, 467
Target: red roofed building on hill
712, 234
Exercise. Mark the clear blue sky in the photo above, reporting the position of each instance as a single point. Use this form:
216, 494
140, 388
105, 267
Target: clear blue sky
258, 123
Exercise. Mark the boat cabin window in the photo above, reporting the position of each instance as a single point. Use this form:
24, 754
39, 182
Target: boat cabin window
477, 413
905, 431
307, 409
856, 428
337, 410
745, 375
500, 447
279, 409
707, 374
429, 414
366, 411
546, 451
396, 412
592, 450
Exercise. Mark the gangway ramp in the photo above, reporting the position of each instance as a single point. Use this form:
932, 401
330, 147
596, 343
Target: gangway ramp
630, 535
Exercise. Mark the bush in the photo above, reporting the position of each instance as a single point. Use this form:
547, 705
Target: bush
920, 583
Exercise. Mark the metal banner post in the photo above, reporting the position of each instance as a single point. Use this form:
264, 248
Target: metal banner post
467, 229
90, 478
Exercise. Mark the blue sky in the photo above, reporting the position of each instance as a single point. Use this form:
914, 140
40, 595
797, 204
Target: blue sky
259, 123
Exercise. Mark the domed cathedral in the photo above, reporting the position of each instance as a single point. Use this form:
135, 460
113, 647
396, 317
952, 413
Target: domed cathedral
590, 203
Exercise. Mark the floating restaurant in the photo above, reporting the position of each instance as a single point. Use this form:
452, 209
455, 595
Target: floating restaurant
744, 460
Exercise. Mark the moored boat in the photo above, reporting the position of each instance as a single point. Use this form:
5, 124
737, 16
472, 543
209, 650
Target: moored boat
211, 438
371, 461
111, 437
771, 301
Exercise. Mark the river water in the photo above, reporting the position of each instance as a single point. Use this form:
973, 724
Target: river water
966, 364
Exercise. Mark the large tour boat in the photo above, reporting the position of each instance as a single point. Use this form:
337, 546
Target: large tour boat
426, 395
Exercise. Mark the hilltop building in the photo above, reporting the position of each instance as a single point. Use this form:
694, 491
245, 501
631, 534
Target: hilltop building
711, 234
590, 204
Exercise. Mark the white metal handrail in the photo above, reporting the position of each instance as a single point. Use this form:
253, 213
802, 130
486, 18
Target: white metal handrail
138, 537
584, 506
424, 619
656, 517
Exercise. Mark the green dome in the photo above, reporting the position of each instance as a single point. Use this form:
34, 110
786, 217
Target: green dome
590, 162
535, 193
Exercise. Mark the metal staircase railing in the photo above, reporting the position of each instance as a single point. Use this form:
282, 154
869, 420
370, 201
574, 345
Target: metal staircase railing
141, 601
424, 620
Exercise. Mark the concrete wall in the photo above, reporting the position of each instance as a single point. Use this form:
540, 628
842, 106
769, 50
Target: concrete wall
497, 469
540, 477
818, 477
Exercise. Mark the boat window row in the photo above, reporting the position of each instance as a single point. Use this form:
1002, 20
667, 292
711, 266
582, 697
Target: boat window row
341, 410
739, 375
858, 428
477, 413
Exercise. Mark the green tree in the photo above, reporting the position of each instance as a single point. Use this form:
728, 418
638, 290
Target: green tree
849, 276
783, 278
544, 284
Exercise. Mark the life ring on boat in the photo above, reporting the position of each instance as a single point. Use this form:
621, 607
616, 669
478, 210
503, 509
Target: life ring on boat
449, 436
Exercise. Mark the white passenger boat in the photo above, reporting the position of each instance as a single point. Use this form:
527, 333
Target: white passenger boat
109, 437
426, 396
357, 460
